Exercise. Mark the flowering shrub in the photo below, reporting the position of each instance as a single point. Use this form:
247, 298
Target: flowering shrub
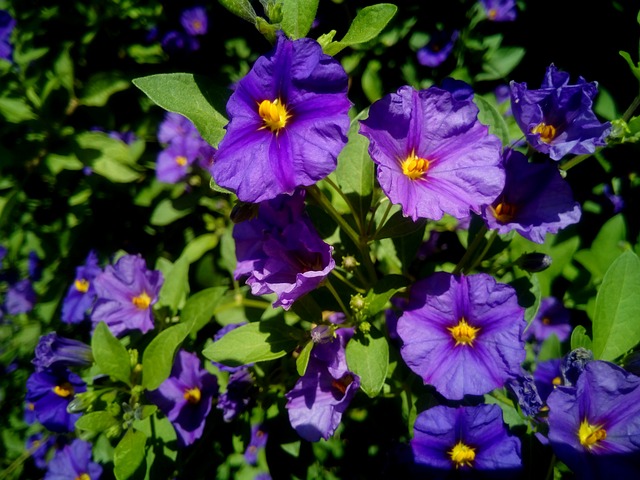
318, 239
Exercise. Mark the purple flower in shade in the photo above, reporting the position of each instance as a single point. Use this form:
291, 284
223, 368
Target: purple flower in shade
438, 49
552, 318
558, 119
281, 252
194, 20
174, 42
175, 126
34, 266
288, 122
616, 200
526, 393
73, 461
55, 351
82, 293
463, 334
125, 293
126, 137
594, 428
433, 155
20, 298
7, 23
500, 10
49, 392
547, 377
258, 440
238, 395
185, 397
536, 200
467, 440
174, 162
39, 448
320, 397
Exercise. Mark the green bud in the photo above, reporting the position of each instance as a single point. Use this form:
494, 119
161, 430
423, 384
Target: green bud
364, 327
349, 263
357, 303
81, 402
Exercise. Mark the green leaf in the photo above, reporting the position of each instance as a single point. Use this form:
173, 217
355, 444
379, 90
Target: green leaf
176, 284
382, 292
635, 69
110, 355
63, 68
200, 307
241, 8
191, 96
254, 342
297, 17
368, 357
92, 423
199, 246
371, 81
608, 244
158, 356
109, 157
489, 115
303, 359
616, 328
579, 338
16, 110
501, 63
129, 454
165, 213
367, 25
550, 348
398, 225
101, 86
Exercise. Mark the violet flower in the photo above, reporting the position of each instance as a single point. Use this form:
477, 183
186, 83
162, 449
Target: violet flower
7, 24
174, 162
558, 119
594, 428
73, 461
281, 252
440, 46
433, 155
536, 200
39, 448
320, 397
258, 441
194, 20
175, 41
20, 297
547, 377
185, 397
468, 440
552, 318
49, 392
55, 351
125, 294
288, 122
175, 126
500, 10
463, 334
239, 393
82, 293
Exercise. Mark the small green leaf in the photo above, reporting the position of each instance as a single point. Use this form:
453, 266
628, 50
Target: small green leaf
616, 328
109, 157
16, 110
303, 359
489, 115
635, 69
92, 423
158, 356
191, 96
297, 17
368, 357
579, 338
382, 292
63, 68
605, 248
200, 307
199, 246
129, 454
254, 342
175, 287
101, 86
165, 213
398, 225
550, 348
110, 355
241, 8
501, 63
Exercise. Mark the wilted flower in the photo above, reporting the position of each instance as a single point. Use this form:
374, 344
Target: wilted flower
20, 297
73, 462
558, 119
573, 364
320, 397
194, 20
125, 294
185, 397
465, 439
525, 390
463, 334
438, 49
536, 200
594, 428
500, 10
433, 155
552, 318
288, 123
55, 351
82, 293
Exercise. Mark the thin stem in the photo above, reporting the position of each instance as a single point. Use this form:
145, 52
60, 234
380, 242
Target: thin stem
21, 459
344, 280
632, 108
486, 248
349, 204
384, 219
551, 468
337, 297
572, 162
321, 198
471, 249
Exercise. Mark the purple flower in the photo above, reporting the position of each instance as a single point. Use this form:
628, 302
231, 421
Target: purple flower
126, 137
125, 293
82, 293
281, 252
258, 440
288, 122
500, 10
174, 162
194, 20
73, 462
48, 395
20, 298
175, 126
185, 397
465, 439
558, 118
39, 448
320, 397
433, 155
594, 428
7, 23
34, 266
463, 334
526, 393
547, 377
55, 351
238, 395
174, 42
438, 49
536, 200
552, 318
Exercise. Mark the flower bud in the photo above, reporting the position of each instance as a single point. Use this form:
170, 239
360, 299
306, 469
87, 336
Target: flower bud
534, 262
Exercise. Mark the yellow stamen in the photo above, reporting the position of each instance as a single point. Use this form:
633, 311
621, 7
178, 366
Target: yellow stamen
197, 25
504, 212
193, 395
31, 406
492, 14
82, 285
547, 132
591, 435
83, 476
463, 333
274, 114
142, 301
462, 455
181, 160
556, 381
64, 390
415, 167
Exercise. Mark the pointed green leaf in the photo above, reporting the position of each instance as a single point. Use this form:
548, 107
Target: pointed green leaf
16, 110
241, 8
368, 357
129, 454
489, 115
303, 359
158, 356
92, 423
382, 292
101, 86
297, 17
200, 307
616, 328
176, 284
608, 244
110, 355
580, 339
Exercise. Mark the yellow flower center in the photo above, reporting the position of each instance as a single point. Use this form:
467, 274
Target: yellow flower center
462, 455
142, 301
463, 333
31, 406
274, 114
556, 381
82, 285
492, 13
547, 132
64, 390
591, 435
181, 160
193, 395
504, 212
83, 476
196, 24
415, 167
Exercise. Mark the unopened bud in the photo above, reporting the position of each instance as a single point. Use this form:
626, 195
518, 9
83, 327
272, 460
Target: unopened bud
534, 262
357, 303
242, 211
349, 263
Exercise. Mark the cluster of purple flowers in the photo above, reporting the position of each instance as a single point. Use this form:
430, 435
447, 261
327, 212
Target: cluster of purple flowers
194, 23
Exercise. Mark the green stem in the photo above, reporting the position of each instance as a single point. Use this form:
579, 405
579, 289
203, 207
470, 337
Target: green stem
349, 204
344, 280
477, 241
572, 162
21, 459
486, 248
338, 299
383, 220
632, 108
